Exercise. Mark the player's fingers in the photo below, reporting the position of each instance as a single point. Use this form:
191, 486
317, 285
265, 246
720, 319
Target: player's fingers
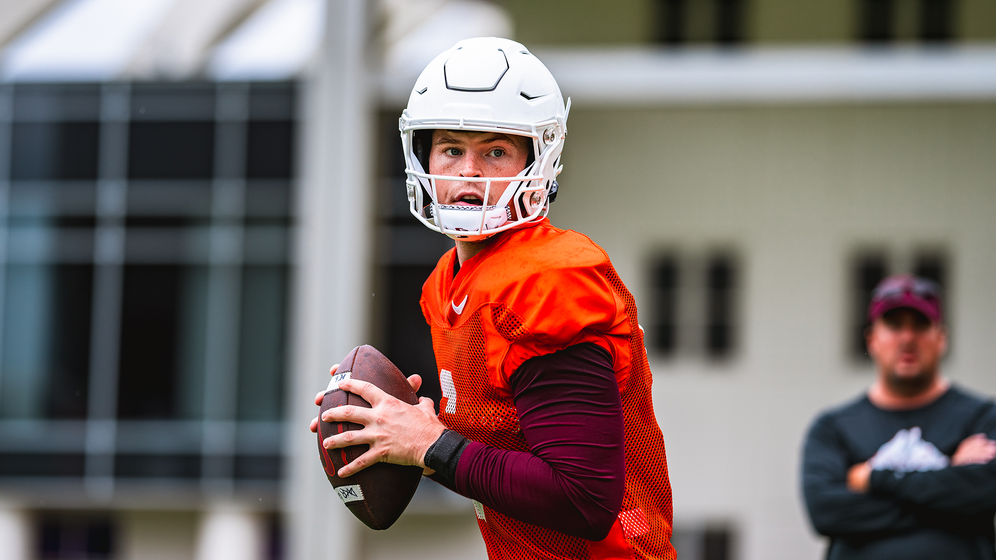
333, 369
415, 381
427, 406
348, 413
319, 398
314, 425
357, 465
426, 401
348, 438
370, 392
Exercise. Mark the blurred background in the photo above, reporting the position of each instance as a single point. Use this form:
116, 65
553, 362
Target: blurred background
202, 210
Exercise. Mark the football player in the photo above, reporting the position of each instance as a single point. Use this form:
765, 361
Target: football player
546, 420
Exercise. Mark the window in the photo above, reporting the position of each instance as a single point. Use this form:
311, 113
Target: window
682, 22
703, 543
869, 267
144, 274
75, 537
693, 304
869, 270
881, 21
720, 282
665, 285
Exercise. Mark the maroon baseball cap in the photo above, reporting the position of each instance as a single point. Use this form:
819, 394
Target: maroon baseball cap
906, 290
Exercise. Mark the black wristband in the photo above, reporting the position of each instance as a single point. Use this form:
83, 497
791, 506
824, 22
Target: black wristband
444, 454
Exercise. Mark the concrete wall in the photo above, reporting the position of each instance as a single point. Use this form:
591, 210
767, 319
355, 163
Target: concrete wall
796, 191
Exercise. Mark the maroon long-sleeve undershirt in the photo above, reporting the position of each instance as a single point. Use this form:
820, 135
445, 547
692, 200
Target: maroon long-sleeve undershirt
573, 478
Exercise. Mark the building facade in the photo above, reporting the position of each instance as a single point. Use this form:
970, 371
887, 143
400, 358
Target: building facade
186, 252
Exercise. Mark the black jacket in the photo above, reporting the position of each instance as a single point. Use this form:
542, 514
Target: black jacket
946, 513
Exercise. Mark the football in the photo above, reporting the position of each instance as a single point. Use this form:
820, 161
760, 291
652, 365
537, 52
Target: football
378, 494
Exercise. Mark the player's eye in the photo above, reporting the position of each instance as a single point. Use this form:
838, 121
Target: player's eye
451, 151
496, 152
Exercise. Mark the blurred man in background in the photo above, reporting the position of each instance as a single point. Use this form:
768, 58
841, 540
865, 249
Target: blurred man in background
906, 470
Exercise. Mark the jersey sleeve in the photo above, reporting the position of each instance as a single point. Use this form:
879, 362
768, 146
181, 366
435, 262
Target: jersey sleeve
558, 307
572, 479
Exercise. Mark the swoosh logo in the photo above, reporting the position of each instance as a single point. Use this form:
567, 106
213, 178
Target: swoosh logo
459, 308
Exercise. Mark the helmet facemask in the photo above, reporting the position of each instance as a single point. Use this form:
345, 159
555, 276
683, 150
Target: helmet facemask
524, 199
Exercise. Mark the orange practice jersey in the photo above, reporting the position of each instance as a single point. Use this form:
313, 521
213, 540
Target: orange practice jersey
531, 292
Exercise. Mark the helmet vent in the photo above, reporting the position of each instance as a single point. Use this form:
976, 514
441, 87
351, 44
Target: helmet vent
423, 90
531, 97
475, 69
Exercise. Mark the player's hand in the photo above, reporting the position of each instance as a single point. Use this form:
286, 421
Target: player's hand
976, 449
396, 432
859, 477
415, 381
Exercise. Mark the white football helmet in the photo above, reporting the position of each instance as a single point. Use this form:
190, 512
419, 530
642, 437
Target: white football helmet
485, 84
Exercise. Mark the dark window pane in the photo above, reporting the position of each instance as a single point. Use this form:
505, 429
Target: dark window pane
869, 270
157, 466
408, 339
664, 334
272, 101
171, 150
56, 102
99, 539
74, 536
671, 21
163, 327
270, 150
720, 284
266, 467
48, 538
936, 20
876, 20
716, 544
43, 464
933, 266
729, 21
261, 345
55, 150
46, 344
268, 202
275, 540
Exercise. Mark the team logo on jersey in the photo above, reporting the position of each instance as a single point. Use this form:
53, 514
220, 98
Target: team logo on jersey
459, 308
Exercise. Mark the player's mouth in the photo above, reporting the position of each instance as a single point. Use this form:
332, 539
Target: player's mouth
469, 200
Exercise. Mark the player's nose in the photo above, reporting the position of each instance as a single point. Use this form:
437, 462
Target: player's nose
470, 165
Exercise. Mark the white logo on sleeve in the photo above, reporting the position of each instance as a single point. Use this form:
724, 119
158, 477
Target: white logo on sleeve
907, 451
459, 308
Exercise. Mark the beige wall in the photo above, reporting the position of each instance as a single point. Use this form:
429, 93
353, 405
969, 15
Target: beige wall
797, 190
158, 535
815, 21
629, 22
581, 22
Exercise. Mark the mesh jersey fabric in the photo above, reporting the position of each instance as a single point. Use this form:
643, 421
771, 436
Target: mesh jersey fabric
530, 292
